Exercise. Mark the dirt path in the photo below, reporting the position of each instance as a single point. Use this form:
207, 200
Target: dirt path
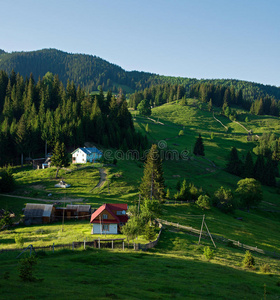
102, 179
39, 199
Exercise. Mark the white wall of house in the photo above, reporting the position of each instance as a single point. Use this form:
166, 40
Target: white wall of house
80, 157
112, 229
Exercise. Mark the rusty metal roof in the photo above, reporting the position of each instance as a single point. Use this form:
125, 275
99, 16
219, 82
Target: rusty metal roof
38, 210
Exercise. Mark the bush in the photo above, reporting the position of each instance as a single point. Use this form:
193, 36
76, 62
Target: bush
19, 241
181, 132
265, 268
150, 233
249, 260
7, 181
223, 200
208, 253
203, 201
26, 266
184, 102
6, 220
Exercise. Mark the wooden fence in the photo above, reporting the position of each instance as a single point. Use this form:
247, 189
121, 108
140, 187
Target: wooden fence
151, 244
98, 243
221, 239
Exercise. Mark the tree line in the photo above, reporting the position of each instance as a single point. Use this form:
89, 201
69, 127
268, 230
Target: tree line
158, 94
222, 96
33, 114
264, 169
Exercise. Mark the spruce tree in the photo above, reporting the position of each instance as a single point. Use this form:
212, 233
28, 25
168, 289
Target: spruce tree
259, 169
248, 171
152, 185
269, 174
234, 165
199, 147
59, 158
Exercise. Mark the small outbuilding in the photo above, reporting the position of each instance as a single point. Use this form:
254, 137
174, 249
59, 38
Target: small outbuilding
81, 212
38, 213
109, 218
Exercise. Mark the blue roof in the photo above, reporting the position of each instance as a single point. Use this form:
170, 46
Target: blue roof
89, 151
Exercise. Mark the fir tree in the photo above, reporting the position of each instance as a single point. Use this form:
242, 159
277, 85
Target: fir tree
248, 170
152, 185
259, 169
60, 157
199, 147
234, 165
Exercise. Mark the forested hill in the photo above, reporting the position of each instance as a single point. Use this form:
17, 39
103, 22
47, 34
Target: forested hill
91, 71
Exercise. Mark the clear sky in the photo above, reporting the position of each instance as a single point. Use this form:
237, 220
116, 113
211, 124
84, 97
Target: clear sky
237, 39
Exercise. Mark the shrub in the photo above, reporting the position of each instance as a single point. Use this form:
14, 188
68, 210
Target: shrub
150, 233
248, 261
19, 240
208, 253
223, 200
26, 266
203, 201
181, 132
265, 268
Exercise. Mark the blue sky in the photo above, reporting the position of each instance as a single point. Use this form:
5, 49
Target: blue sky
237, 39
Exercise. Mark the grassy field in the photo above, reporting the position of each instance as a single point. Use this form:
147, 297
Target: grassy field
176, 268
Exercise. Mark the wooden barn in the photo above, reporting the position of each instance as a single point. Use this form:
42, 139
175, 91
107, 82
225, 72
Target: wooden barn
81, 212
38, 213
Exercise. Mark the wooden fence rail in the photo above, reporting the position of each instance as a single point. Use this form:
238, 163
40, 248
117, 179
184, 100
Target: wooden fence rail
221, 239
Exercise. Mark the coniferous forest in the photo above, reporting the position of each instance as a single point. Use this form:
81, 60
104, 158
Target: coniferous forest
36, 113
92, 71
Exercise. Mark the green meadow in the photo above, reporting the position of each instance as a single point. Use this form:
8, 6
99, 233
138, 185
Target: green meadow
176, 267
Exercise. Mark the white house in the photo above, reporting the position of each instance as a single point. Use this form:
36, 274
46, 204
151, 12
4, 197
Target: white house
109, 218
84, 155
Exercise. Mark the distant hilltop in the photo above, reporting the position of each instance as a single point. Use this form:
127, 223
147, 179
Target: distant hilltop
90, 72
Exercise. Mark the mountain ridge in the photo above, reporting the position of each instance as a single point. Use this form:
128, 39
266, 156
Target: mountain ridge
91, 71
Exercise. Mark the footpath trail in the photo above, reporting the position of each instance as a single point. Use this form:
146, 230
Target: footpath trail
102, 179
38, 199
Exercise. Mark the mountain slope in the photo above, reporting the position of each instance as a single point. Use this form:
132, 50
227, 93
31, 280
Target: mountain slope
91, 71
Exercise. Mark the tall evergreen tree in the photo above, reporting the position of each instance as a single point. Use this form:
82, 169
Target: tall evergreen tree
199, 147
60, 157
248, 170
259, 169
234, 165
152, 185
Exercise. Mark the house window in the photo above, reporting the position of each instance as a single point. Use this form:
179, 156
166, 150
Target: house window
105, 227
119, 212
104, 217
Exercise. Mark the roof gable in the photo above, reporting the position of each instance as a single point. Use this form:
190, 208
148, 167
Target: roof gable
109, 208
88, 150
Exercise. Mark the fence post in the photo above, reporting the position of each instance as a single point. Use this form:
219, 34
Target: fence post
73, 246
123, 245
112, 245
99, 243
53, 247
84, 244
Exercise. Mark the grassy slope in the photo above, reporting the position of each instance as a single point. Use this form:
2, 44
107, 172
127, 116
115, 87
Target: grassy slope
138, 275
175, 269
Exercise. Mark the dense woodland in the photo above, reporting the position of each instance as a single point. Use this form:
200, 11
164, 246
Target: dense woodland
222, 96
91, 71
158, 94
35, 113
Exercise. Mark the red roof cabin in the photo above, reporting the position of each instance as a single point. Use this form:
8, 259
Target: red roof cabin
109, 218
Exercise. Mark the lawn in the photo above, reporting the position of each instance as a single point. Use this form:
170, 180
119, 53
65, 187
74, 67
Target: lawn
176, 269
